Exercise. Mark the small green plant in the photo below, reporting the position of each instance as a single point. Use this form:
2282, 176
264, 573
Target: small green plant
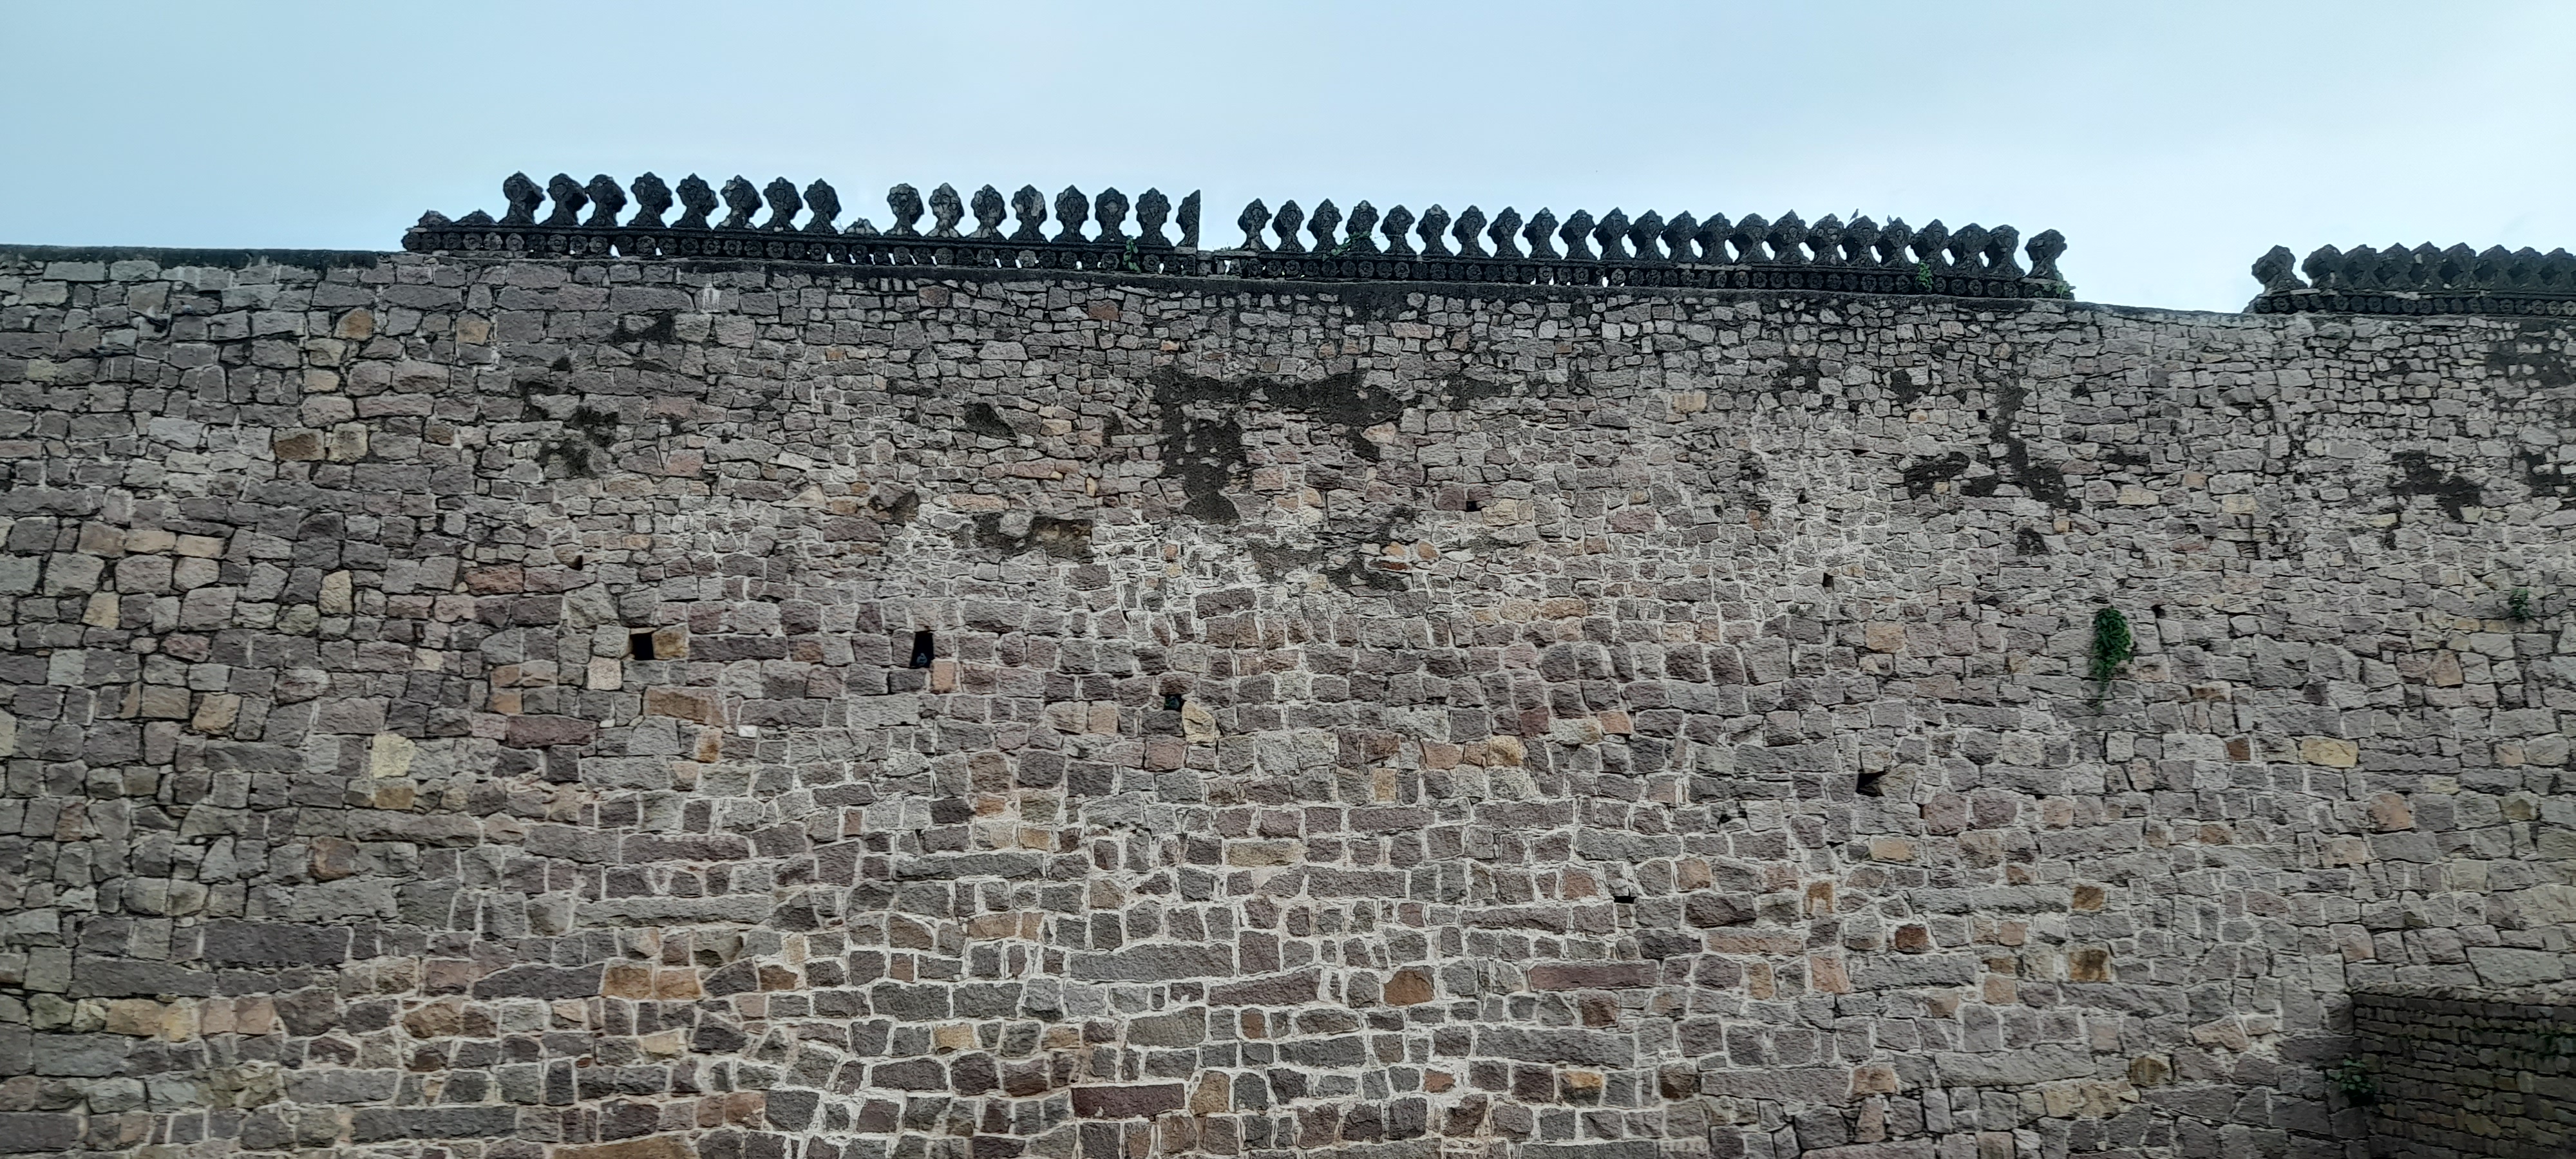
2112, 647
2518, 606
1923, 277
2352, 1078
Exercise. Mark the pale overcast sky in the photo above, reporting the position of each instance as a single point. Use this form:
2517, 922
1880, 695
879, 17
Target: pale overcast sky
2171, 142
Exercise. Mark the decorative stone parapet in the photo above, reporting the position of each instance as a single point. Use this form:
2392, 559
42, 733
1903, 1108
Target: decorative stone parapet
2422, 280
1858, 257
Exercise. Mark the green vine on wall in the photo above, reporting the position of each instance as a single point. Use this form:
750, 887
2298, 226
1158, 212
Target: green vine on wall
2353, 1079
2112, 647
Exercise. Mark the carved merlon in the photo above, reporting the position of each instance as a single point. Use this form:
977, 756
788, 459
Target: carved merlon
1325, 243
2422, 280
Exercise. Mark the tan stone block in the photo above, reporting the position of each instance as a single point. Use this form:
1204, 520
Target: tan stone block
1828, 976
357, 325
2329, 751
1198, 725
1212, 1095
1873, 1080
140, 1017
1505, 751
160, 702
101, 611
607, 674
696, 704
627, 980
2091, 964
1890, 849
200, 546
333, 858
216, 713
2390, 813
952, 1037
943, 676
1410, 986
337, 596
390, 755
1883, 637
297, 445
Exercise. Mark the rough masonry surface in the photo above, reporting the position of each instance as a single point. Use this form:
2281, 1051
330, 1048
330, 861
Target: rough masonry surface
464, 708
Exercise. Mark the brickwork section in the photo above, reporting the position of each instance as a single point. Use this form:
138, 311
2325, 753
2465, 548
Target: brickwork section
465, 710
2461, 1076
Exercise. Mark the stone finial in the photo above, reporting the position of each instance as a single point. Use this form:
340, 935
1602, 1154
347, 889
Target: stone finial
1356, 239
1323, 226
1751, 238
698, 199
606, 199
741, 201
1190, 221
1505, 233
1968, 248
1680, 235
783, 205
1540, 233
652, 199
1110, 210
1029, 206
1283, 225
2043, 250
2000, 242
1612, 234
1469, 233
1251, 221
1071, 210
1152, 210
1398, 227
2274, 270
1711, 239
946, 209
903, 211
1434, 232
1893, 242
569, 199
1576, 230
1860, 242
1932, 245
2494, 269
1825, 241
2324, 267
523, 197
1647, 235
823, 203
988, 214
1788, 238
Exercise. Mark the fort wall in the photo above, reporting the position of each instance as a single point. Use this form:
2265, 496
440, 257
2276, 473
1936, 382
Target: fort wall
466, 708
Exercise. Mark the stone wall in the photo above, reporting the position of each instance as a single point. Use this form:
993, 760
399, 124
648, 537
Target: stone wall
465, 709
2457, 1075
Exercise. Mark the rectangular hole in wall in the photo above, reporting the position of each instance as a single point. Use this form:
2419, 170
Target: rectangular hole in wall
639, 645
921, 649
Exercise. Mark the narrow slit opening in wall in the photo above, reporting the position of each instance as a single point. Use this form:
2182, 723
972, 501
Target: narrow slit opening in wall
639, 645
921, 648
